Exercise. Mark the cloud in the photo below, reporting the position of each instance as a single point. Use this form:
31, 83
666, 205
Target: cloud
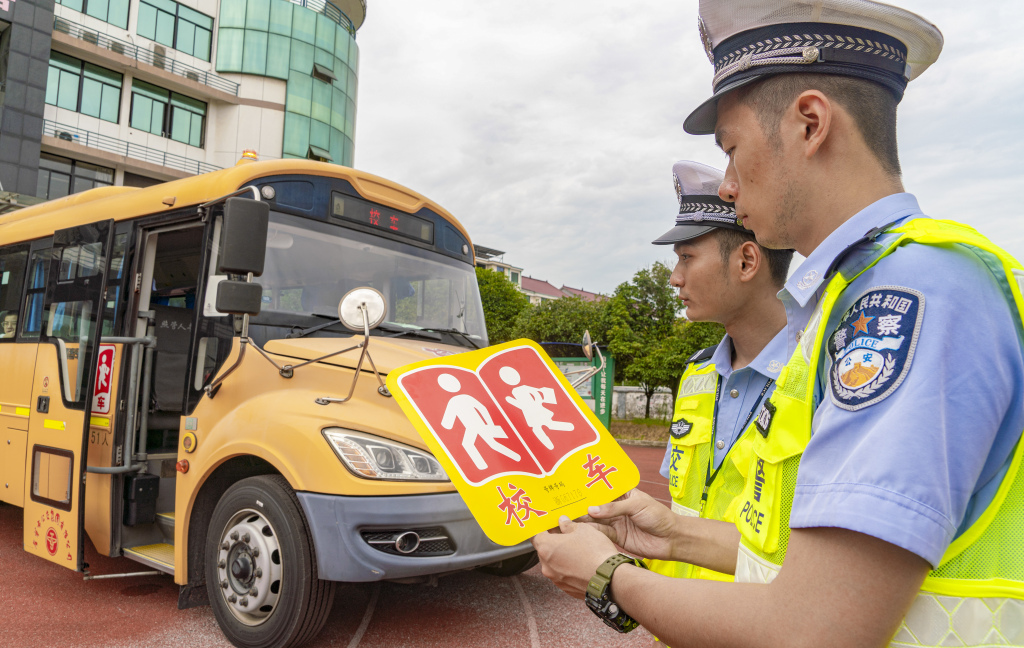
550, 129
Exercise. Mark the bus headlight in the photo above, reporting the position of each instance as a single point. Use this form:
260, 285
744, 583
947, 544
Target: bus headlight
372, 457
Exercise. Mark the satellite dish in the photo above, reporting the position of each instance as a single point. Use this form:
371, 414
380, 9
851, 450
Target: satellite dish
588, 345
360, 300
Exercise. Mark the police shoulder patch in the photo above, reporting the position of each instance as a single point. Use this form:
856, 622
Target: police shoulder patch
680, 428
873, 346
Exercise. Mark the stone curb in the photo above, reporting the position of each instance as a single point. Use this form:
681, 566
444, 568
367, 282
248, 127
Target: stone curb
644, 443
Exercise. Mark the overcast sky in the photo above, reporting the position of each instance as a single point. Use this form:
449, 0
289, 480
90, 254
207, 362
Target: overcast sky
550, 128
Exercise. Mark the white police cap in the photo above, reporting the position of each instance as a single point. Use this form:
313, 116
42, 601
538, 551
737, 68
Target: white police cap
747, 40
700, 208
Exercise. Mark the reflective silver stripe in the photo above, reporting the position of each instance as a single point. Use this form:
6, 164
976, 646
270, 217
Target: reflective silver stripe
967, 621
751, 568
679, 509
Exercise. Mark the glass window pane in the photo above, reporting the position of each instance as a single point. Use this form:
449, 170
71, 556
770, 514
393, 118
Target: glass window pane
324, 58
296, 135
146, 21
319, 134
254, 61
110, 103
83, 184
229, 50
194, 105
118, 13
232, 14
353, 54
165, 29
65, 62
325, 33
168, 6
278, 56
302, 57
195, 17
337, 149
186, 37
150, 90
300, 91
142, 109
73, 4
94, 172
60, 185
42, 184
257, 15
281, 18
338, 111
67, 93
97, 9
349, 153
196, 131
321, 108
92, 92
304, 25
202, 46
341, 40
52, 84
54, 163
158, 119
181, 122
102, 74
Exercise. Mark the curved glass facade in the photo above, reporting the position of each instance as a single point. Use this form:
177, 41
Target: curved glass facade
315, 54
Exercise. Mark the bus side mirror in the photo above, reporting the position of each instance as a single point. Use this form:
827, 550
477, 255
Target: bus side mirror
239, 297
243, 238
588, 346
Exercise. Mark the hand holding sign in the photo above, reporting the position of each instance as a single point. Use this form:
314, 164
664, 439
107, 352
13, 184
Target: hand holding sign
516, 439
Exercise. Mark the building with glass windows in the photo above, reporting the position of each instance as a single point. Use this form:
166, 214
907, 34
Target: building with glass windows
135, 92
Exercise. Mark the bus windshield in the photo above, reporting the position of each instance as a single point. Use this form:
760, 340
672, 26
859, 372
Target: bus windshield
310, 266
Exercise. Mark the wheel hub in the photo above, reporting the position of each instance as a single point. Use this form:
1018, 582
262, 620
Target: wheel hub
249, 567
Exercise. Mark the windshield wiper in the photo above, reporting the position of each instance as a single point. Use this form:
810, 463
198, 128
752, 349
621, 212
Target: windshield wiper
313, 329
454, 331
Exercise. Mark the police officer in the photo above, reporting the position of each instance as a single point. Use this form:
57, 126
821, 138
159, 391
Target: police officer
723, 276
883, 503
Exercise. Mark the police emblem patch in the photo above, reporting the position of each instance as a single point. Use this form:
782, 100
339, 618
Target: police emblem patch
873, 346
764, 418
680, 428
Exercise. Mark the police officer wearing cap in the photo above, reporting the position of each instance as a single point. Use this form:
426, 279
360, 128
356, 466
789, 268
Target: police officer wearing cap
723, 276
883, 503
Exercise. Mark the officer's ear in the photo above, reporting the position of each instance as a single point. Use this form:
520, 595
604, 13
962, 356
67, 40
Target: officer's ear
748, 259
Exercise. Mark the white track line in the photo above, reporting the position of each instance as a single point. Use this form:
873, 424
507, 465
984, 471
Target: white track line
366, 617
531, 622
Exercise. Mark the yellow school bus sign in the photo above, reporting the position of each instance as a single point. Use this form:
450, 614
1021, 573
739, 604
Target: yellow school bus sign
515, 438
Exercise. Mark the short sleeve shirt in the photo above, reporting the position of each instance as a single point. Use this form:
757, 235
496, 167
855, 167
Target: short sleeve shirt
917, 465
742, 392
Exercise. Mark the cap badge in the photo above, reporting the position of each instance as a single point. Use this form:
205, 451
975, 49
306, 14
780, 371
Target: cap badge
705, 40
679, 188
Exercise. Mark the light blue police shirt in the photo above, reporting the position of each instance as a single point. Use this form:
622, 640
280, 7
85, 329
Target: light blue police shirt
917, 467
747, 384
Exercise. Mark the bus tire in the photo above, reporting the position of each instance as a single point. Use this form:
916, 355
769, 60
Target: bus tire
511, 566
261, 569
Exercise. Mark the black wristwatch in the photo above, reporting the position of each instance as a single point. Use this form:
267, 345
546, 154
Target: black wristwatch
597, 594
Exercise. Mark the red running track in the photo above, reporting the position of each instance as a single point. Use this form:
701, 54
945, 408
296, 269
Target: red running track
47, 605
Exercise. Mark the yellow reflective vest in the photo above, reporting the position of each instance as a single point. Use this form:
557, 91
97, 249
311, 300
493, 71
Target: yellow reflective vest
975, 596
692, 437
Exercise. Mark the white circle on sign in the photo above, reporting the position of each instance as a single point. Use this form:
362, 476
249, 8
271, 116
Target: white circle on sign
509, 375
449, 383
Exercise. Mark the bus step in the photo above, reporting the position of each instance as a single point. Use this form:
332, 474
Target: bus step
159, 556
166, 523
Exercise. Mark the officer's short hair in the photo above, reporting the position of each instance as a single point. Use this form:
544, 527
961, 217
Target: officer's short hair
872, 106
778, 260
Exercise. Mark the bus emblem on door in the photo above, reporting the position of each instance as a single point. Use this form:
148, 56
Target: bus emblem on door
104, 373
51, 541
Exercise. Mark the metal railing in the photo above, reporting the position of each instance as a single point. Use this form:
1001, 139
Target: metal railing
331, 11
126, 149
143, 55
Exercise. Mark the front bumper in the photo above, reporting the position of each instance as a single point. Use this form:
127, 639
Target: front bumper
343, 555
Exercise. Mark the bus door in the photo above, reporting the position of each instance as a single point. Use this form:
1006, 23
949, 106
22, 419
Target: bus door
62, 389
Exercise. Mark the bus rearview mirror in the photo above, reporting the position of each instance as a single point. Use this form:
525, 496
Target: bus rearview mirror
588, 346
243, 237
239, 297
358, 301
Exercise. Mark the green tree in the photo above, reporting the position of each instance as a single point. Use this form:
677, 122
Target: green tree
665, 362
640, 314
502, 304
562, 320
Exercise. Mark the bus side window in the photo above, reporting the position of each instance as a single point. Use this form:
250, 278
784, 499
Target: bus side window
12, 279
38, 266
114, 281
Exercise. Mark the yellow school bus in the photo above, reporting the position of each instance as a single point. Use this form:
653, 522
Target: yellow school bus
177, 384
